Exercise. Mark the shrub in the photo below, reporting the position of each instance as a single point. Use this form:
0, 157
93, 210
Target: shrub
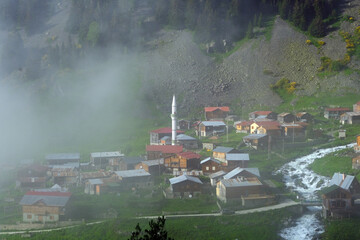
321, 43
308, 42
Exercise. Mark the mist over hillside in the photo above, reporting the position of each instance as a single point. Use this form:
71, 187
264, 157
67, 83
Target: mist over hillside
84, 70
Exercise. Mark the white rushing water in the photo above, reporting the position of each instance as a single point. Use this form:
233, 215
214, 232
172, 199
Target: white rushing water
299, 178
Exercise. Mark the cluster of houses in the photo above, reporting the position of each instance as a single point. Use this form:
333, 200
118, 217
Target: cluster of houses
345, 115
227, 168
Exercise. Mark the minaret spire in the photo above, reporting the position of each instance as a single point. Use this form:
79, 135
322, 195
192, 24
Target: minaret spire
173, 121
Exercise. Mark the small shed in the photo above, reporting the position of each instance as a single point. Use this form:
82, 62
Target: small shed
187, 142
154, 167
216, 177
256, 141
234, 160
220, 152
356, 162
216, 113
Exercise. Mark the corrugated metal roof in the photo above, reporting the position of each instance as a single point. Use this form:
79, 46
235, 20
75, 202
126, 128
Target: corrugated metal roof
238, 170
154, 162
183, 178
96, 181
134, 160
183, 137
223, 149
255, 136
262, 112
106, 154
58, 201
132, 173
329, 189
62, 156
189, 155
342, 180
237, 157
209, 159
213, 123
165, 138
217, 174
235, 182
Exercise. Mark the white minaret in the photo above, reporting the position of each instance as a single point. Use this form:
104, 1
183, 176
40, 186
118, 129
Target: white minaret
173, 121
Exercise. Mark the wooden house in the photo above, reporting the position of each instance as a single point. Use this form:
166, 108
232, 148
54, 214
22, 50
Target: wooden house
336, 202
269, 128
84, 176
62, 158
247, 191
94, 186
216, 177
356, 107
335, 113
101, 160
293, 130
220, 152
32, 176
154, 167
185, 186
209, 146
262, 115
129, 163
338, 198
158, 134
286, 118
44, 206
162, 151
356, 162
183, 161
138, 178
186, 141
304, 117
350, 118
64, 175
234, 160
243, 126
216, 113
210, 165
256, 141
211, 128
184, 124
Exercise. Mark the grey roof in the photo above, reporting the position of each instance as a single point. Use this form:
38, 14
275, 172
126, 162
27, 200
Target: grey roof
213, 123
223, 149
235, 182
106, 154
255, 136
55, 201
342, 180
165, 138
238, 170
95, 181
134, 160
132, 173
217, 174
183, 137
183, 178
154, 162
62, 156
209, 159
237, 157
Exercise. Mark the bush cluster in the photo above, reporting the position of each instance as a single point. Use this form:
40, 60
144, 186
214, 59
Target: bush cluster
284, 84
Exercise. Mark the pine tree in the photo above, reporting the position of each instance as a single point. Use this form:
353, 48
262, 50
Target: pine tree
249, 32
317, 27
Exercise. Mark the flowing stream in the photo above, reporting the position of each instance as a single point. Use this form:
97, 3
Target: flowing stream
299, 178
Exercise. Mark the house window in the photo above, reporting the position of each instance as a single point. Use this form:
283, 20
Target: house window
213, 168
29, 216
207, 168
51, 217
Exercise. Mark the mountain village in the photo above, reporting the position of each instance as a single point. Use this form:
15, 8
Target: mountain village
189, 167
